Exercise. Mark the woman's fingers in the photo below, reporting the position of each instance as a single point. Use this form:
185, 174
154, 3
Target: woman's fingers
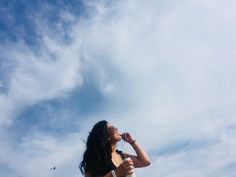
128, 162
126, 167
129, 166
123, 136
126, 136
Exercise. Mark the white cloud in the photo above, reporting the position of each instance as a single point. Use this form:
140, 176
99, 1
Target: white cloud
38, 153
167, 70
176, 77
41, 76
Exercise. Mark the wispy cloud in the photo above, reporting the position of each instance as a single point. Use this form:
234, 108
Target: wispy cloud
163, 70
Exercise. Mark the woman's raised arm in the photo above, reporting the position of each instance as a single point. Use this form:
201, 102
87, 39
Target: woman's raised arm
141, 159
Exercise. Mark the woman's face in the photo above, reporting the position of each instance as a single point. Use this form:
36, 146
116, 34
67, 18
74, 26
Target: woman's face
114, 134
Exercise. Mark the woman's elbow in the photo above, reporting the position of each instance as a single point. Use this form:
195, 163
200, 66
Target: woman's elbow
147, 163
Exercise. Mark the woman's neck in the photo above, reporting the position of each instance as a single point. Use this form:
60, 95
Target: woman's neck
113, 147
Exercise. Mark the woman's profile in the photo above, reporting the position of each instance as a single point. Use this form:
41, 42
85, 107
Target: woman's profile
102, 159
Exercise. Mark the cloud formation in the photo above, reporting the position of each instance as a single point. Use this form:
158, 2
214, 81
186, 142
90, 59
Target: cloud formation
166, 73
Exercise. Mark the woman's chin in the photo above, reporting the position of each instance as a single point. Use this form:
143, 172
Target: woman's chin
118, 137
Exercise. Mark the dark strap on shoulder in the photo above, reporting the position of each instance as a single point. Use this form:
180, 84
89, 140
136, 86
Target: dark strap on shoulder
121, 154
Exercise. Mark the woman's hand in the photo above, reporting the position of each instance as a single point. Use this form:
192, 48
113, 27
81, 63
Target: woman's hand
127, 137
125, 168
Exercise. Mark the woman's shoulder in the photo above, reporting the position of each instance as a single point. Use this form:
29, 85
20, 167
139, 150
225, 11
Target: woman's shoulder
122, 154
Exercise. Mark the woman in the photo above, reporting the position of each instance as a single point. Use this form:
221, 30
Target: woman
102, 159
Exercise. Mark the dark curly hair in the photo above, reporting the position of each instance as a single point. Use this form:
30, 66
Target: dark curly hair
97, 156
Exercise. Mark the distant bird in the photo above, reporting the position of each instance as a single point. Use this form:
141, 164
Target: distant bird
54, 168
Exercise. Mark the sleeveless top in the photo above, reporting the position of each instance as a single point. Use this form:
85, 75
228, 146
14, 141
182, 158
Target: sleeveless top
112, 165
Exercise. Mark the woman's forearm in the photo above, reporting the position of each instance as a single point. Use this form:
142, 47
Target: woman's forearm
141, 154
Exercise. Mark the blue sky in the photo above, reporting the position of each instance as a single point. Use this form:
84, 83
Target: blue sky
163, 70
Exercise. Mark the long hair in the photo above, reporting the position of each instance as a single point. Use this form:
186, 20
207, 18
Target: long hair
97, 156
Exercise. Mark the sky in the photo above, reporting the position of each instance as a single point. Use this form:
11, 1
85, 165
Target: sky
162, 70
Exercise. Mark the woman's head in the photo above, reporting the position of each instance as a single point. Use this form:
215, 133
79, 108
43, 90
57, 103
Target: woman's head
97, 156
114, 133
102, 132
98, 135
